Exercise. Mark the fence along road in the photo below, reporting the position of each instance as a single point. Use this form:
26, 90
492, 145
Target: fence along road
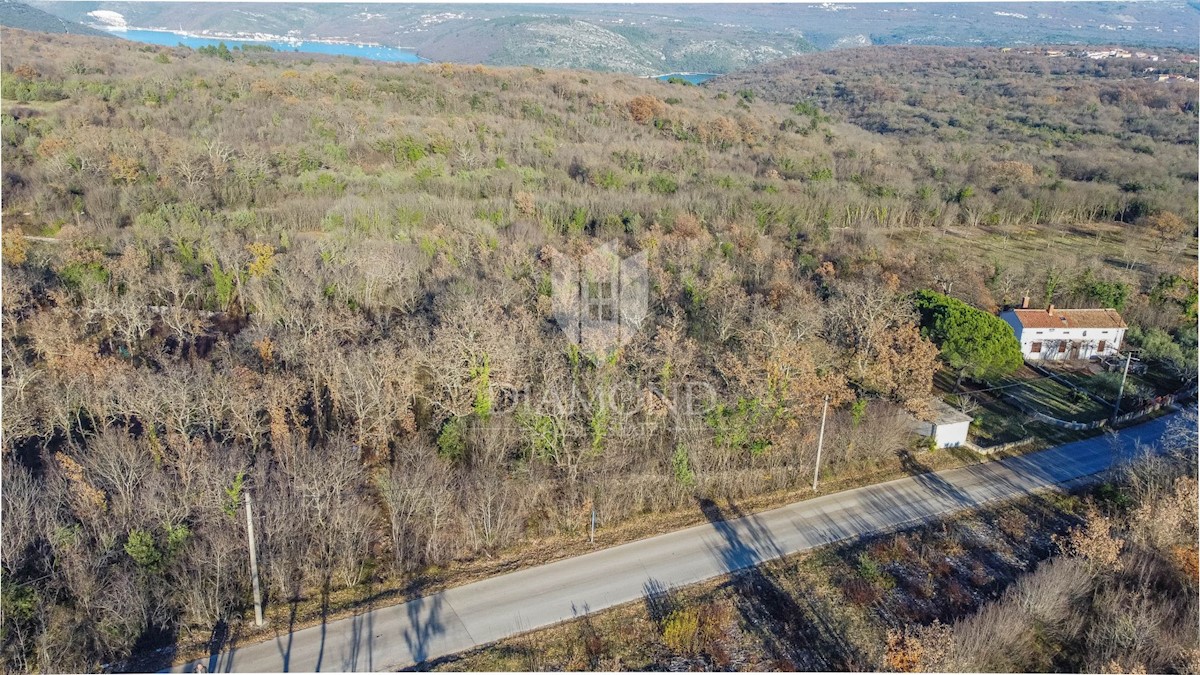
485, 611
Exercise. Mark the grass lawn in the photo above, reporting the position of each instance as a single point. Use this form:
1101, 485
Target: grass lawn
1139, 388
1157, 379
998, 422
1052, 398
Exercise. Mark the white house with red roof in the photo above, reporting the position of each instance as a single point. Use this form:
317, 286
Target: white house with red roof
1066, 334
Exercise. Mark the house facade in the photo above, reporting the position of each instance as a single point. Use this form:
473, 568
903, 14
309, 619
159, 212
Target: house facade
1066, 334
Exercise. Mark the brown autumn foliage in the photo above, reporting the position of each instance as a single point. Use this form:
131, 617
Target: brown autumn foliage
327, 283
918, 649
1123, 596
643, 109
1094, 542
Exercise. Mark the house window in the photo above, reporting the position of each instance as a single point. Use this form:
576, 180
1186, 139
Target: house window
600, 305
1035, 348
1100, 346
1062, 346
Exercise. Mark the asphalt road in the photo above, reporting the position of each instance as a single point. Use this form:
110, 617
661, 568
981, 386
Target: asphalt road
460, 618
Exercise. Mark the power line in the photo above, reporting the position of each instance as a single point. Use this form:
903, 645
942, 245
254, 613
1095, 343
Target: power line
1006, 386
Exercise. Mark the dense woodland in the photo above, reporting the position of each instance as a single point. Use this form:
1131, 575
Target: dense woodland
328, 283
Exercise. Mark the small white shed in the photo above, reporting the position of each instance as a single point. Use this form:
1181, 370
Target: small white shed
949, 426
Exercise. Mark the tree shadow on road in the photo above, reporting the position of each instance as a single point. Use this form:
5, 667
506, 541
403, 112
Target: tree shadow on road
931, 481
425, 623
659, 599
797, 629
360, 653
222, 646
285, 649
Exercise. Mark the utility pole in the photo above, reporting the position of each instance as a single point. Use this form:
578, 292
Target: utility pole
820, 442
592, 532
258, 617
1121, 391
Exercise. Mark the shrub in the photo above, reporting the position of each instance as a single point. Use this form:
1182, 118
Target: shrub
15, 248
524, 203
919, 648
451, 442
608, 179
822, 174
1013, 523
663, 185
78, 275
643, 109
860, 592
958, 595
1093, 542
140, 546
687, 226
233, 494
18, 89
868, 569
682, 468
680, 631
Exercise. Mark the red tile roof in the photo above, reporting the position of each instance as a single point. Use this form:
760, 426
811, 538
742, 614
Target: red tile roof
1070, 318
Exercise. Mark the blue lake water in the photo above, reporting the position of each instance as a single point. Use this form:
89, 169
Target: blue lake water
170, 39
694, 78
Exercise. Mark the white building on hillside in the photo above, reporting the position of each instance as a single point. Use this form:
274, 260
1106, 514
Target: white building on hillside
1063, 334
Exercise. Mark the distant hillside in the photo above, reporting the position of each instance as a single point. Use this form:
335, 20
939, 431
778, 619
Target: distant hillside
19, 15
650, 39
640, 40
1018, 88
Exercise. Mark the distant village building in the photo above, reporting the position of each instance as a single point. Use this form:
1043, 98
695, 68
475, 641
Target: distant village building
1065, 334
1173, 77
1110, 54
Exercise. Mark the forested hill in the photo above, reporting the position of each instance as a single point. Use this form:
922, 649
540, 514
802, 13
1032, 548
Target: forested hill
644, 39
1087, 120
329, 283
948, 91
19, 15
